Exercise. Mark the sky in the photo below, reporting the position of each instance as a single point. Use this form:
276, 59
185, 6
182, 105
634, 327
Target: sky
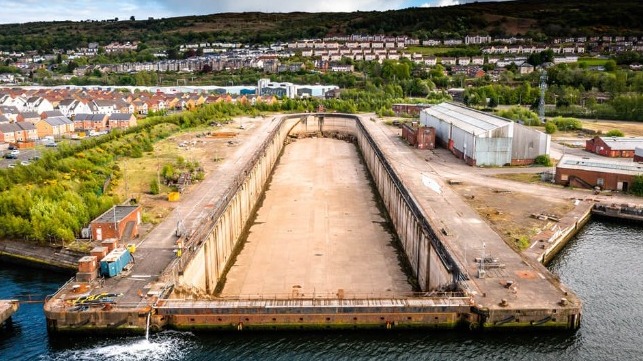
22, 11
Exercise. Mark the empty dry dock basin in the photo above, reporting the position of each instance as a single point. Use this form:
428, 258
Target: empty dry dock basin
322, 230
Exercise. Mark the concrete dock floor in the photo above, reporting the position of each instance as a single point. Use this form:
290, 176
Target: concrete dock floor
318, 231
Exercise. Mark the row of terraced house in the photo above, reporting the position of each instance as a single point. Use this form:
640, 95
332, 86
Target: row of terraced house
27, 115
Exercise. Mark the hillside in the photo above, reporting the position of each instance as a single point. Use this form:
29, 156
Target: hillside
535, 18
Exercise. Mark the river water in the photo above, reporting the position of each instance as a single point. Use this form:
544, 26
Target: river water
602, 265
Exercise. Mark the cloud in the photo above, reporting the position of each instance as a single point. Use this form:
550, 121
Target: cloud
440, 3
223, 6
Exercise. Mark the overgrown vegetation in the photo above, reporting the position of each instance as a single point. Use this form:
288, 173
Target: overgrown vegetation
615, 133
637, 186
567, 123
543, 160
523, 115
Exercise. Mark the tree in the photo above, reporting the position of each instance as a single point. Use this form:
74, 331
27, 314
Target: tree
132, 18
637, 186
610, 65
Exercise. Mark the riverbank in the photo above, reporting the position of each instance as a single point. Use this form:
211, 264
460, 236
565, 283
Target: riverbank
33, 255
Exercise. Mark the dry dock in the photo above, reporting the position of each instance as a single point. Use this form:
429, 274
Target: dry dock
296, 241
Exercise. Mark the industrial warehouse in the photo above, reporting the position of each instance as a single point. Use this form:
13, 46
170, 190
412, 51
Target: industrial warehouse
482, 139
606, 174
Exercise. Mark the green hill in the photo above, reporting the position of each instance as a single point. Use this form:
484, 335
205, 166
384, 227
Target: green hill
534, 18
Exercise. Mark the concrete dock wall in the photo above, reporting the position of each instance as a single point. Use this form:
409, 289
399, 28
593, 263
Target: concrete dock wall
211, 250
431, 267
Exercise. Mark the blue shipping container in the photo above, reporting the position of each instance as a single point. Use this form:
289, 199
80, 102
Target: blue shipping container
114, 262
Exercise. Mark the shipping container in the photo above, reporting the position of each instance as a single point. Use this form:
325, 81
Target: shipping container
114, 262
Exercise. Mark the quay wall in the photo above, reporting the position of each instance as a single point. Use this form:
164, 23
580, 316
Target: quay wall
564, 236
210, 251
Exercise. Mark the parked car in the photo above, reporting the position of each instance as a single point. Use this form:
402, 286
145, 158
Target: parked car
10, 156
15, 152
51, 145
12, 147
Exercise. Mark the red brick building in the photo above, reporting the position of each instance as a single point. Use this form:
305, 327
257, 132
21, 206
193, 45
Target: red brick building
638, 154
120, 222
589, 173
614, 147
409, 109
419, 136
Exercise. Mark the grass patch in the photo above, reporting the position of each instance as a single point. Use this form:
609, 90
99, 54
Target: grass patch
592, 61
429, 50
520, 177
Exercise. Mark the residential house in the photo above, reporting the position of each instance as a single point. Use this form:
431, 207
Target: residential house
55, 126
122, 120
9, 111
28, 117
38, 105
525, 68
104, 106
8, 132
65, 105
51, 113
448, 61
87, 122
28, 132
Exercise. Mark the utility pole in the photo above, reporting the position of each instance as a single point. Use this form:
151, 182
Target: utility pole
543, 88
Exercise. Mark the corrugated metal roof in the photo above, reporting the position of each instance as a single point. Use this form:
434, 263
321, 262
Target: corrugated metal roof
469, 120
619, 143
599, 165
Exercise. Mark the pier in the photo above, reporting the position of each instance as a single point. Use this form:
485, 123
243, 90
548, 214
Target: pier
460, 272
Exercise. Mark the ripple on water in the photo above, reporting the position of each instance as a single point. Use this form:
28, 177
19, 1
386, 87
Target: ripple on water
167, 345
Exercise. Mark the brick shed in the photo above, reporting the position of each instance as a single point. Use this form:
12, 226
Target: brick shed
614, 147
589, 173
120, 222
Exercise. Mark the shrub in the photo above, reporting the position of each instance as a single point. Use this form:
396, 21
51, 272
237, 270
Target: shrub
543, 160
568, 123
550, 128
523, 242
522, 114
154, 187
614, 133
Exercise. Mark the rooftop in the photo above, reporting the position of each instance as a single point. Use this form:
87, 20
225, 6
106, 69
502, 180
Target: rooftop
622, 143
115, 214
470, 120
600, 165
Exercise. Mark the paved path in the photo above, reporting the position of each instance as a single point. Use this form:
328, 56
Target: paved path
469, 235
157, 249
